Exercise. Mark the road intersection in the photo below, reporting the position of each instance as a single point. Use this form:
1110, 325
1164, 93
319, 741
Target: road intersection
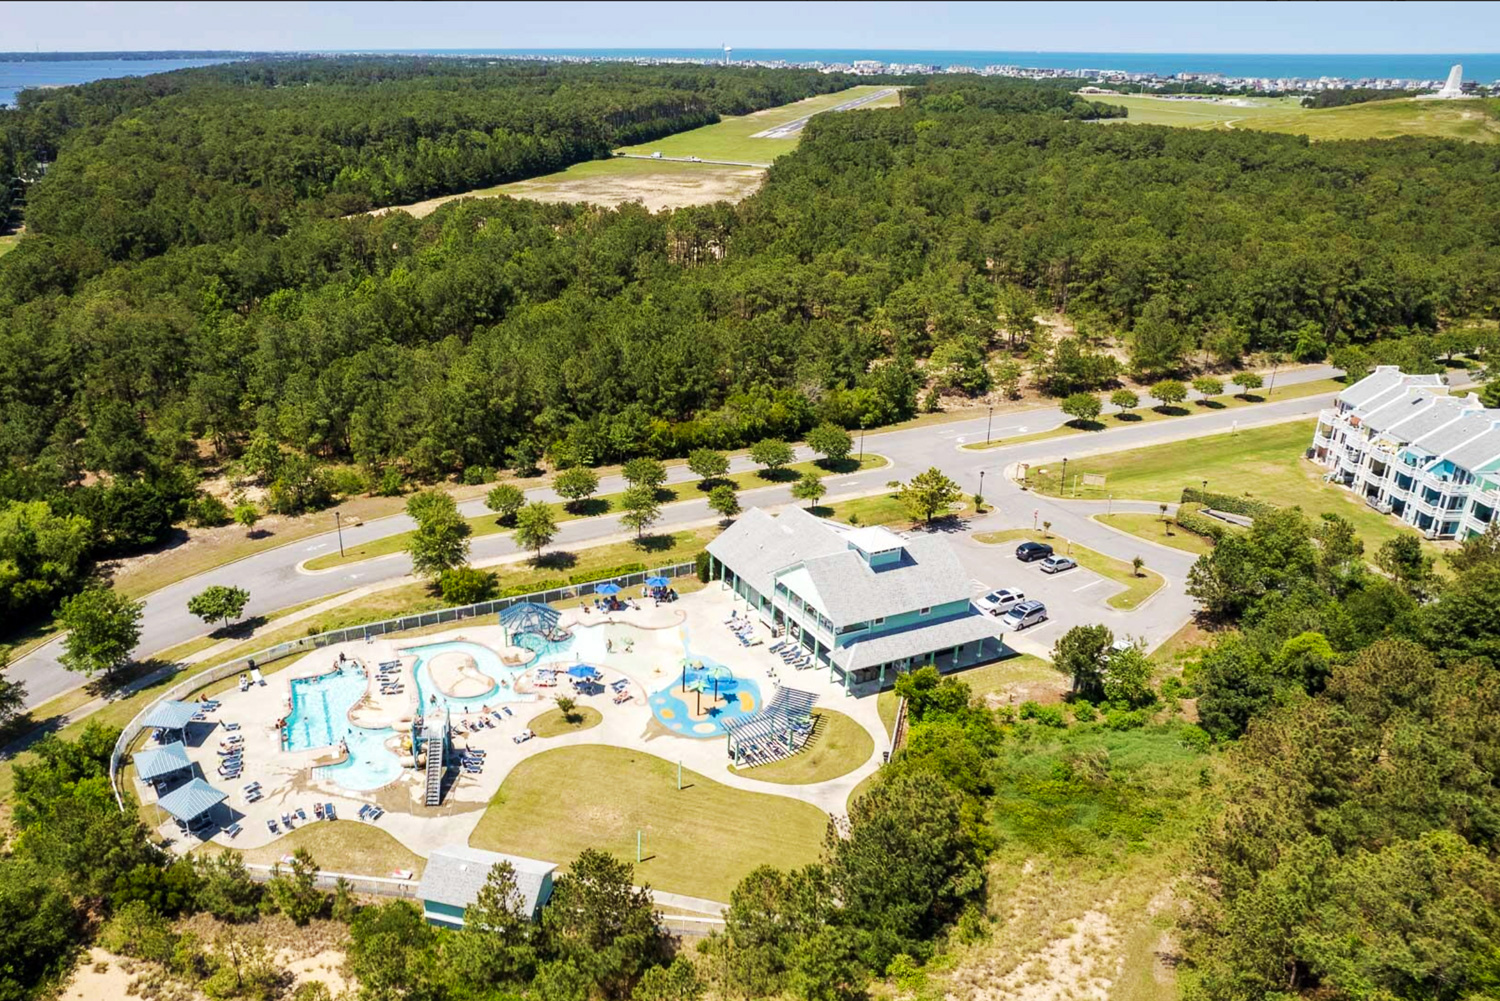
275, 578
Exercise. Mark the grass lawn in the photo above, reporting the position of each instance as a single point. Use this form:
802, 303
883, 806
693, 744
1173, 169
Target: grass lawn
553, 724
1137, 588
1145, 110
882, 509
8, 243
1474, 121
342, 846
489, 524
839, 745
699, 841
1265, 463
732, 138
1147, 414
1155, 529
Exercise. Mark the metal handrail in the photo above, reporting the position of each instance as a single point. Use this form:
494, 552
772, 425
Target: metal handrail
368, 631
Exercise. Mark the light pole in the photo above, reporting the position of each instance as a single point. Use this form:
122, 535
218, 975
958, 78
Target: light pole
1205, 491
861, 441
1062, 483
981, 487
988, 418
338, 527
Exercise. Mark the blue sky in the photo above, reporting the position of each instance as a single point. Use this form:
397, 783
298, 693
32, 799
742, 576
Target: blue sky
1292, 27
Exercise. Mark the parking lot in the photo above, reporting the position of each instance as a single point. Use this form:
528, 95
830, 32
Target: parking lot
1073, 597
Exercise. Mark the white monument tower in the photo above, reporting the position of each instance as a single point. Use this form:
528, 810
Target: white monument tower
1454, 88
727, 51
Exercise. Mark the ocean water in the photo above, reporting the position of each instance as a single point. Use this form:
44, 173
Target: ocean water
16, 77
1482, 67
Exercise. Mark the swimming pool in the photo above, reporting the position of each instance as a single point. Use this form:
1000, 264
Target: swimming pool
673, 706
429, 695
320, 718
320, 708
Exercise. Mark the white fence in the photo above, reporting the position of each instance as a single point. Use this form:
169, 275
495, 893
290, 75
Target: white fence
367, 631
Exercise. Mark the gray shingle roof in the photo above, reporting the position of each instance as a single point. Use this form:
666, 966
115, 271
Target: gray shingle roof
1383, 380
927, 574
1395, 410
757, 544
886, 647
1457, 429
154, 762
191, 799
1480, 448
456, 873
1442, 412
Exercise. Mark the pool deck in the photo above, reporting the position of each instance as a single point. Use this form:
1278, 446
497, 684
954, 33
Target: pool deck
288, 780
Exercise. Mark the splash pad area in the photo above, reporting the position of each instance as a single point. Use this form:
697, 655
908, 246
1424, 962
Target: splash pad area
705, 699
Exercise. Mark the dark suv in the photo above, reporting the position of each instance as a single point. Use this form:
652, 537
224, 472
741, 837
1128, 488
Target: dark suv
1028, 552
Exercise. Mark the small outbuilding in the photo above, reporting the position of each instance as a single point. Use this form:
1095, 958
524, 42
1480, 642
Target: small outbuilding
456, 873
156, 764
191, 803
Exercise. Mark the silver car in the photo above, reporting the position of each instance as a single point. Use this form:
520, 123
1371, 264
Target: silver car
1027, 613
1057, 564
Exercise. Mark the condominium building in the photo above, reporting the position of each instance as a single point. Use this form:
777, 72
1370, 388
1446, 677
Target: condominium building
1414, 451
866, 603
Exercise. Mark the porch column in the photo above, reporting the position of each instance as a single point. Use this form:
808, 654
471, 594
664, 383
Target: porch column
882, 675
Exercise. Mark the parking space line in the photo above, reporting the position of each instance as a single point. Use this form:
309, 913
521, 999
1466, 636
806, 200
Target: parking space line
1096, 580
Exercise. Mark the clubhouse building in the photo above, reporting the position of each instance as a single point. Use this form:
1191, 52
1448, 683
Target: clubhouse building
864, 602
1411, 450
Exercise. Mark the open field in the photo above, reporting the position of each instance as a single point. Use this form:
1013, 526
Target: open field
733, 138
344, 846
700, 841
1265, 463
1146, 110
665, 184
839, 745
489, 524
1475, 121
655, 184
1159, 530
1147, 412
1137, 587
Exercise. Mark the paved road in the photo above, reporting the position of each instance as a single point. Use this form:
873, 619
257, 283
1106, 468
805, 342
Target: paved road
790, 130
274, 581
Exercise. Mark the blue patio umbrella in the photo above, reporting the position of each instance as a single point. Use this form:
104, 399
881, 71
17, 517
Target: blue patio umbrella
657, 582
610, 588
582, 671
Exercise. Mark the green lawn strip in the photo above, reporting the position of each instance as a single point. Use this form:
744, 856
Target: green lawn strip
1265, 463
1147, 414
731, 138
600, 504
1154, 528
838, 746
1137, 589
552, 723
887, 703
700, 840
341, 846
881, 509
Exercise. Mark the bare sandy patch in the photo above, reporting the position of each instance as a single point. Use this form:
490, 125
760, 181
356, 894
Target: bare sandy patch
654, 191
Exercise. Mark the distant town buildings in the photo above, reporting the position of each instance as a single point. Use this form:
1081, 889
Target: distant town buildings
1095, 77
1411, 450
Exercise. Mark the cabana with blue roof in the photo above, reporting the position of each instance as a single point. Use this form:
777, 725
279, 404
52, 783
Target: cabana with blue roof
169, 715
156, 764
530, 617
190, 803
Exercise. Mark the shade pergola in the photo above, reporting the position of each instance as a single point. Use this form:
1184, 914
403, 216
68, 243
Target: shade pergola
171, 715
159, 762
529, 617
191, 800
772, 732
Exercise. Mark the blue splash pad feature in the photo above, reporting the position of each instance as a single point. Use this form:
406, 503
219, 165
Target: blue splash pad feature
672, 707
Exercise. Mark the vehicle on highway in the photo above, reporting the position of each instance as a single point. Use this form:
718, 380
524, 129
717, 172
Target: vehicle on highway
1057, 564
1001, 601
656, 155
1028, 552
1027, 613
